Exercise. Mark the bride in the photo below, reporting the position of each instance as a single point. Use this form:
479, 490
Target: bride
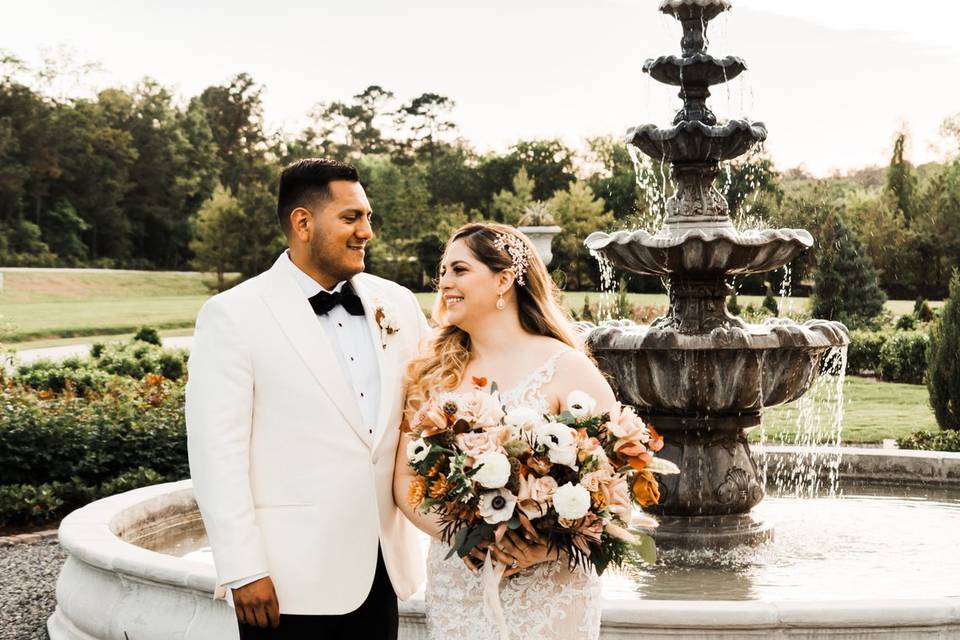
499, 318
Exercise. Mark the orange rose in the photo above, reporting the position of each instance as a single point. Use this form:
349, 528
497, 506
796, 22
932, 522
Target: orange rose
646, 490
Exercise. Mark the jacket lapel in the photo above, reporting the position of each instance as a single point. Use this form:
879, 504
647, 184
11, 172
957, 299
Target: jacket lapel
298, 322
371, 300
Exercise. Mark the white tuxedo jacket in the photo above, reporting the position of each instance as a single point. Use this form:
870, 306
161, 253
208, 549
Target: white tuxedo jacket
287, 478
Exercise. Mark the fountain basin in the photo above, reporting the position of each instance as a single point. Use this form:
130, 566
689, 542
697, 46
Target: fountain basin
700, 69
110, 586
694, 141
719, 250
729, 371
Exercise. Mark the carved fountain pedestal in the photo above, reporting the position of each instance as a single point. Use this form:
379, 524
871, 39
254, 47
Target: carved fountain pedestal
702, 375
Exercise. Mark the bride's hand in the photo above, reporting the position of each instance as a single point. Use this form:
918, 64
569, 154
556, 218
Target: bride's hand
519, 554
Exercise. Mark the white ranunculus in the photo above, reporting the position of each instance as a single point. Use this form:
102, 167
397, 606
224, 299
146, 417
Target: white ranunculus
523, 418
497, 506
571, 501
563, 455
417, 450
580, 404
494, 470
661, 466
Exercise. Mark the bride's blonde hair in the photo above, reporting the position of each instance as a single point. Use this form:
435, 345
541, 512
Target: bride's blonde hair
442, 365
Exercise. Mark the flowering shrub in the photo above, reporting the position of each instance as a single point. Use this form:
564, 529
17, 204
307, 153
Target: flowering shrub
64, 442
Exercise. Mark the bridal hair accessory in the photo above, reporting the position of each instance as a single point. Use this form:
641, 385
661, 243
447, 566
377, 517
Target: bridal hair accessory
518, 251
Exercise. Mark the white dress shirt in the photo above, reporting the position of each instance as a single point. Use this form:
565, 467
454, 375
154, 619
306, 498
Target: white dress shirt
350, 338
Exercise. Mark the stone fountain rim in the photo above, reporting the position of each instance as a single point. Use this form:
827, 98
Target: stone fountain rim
601, 239
697, 58
660, 134
781, 334
86, 534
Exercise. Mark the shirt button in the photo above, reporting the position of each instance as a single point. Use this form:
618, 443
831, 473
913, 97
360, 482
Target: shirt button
361, 394
351, 358
371, 430
339, 324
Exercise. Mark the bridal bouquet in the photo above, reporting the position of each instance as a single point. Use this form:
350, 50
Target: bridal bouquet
570, 480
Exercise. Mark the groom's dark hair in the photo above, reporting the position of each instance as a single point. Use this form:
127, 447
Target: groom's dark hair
306, 181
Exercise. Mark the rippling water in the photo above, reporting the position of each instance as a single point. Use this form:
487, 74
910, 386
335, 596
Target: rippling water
866, 543
870, 543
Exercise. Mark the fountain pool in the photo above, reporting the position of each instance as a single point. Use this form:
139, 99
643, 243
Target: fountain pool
875, 562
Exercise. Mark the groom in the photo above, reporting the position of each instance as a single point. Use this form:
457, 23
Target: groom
293, 406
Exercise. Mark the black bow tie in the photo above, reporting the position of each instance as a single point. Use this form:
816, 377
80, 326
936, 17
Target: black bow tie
324, 301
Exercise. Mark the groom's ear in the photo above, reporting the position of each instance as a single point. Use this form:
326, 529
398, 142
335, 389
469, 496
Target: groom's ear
301, 221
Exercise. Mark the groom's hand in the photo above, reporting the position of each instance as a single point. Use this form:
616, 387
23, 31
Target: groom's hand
256, 604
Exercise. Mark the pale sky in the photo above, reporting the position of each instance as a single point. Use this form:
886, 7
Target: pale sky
832, 80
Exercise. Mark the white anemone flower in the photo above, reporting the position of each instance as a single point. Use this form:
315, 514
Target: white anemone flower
497, 506
417, 450
580, 404
661, 466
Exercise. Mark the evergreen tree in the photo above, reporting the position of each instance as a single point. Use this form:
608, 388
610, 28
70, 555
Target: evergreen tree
901, 182
508, 206
845, 282
943, 375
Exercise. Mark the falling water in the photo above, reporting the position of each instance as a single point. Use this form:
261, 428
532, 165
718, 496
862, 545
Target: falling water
818, 425
605, 305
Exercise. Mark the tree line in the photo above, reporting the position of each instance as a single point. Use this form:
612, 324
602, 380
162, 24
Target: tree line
141, 178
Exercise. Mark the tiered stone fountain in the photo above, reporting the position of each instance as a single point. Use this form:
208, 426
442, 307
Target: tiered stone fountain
702, 375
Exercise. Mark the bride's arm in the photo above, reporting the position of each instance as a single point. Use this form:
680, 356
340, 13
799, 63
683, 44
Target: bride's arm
402, 476
577, 372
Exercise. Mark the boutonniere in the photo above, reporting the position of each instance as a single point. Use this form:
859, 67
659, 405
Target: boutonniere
386, 318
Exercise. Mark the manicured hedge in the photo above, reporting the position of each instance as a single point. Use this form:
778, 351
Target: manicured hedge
931, 440
892, 356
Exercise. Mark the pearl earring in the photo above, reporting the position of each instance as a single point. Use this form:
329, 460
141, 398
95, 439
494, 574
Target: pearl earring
500, 303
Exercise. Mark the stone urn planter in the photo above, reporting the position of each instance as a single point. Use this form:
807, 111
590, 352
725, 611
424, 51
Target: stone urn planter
541, 237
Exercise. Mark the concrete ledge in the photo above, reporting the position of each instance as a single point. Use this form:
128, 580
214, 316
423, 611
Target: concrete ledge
880, 466
110, 587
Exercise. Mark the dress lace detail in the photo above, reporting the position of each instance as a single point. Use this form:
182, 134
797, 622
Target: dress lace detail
547, 601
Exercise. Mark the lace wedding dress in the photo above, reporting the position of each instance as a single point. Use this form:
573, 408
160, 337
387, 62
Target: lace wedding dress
547, 601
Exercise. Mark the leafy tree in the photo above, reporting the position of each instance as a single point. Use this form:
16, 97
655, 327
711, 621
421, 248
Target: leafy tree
579, 214
216, 243
845, 282
616, 181
549, 164
943, 374
426, 118
753, 176
235, 115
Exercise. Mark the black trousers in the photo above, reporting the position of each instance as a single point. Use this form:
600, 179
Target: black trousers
376, 619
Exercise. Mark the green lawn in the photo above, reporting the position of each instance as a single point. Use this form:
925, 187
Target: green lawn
872, 411
43, 305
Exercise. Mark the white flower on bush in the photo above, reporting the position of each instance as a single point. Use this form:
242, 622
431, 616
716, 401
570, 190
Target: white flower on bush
580, 404
560, 441
571, 501
494, 470
523, 418
497, 506
417, 450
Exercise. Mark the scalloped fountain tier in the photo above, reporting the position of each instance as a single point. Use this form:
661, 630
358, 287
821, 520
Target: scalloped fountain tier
702, 375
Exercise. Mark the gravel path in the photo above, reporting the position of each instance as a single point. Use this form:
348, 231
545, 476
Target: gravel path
28, 589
